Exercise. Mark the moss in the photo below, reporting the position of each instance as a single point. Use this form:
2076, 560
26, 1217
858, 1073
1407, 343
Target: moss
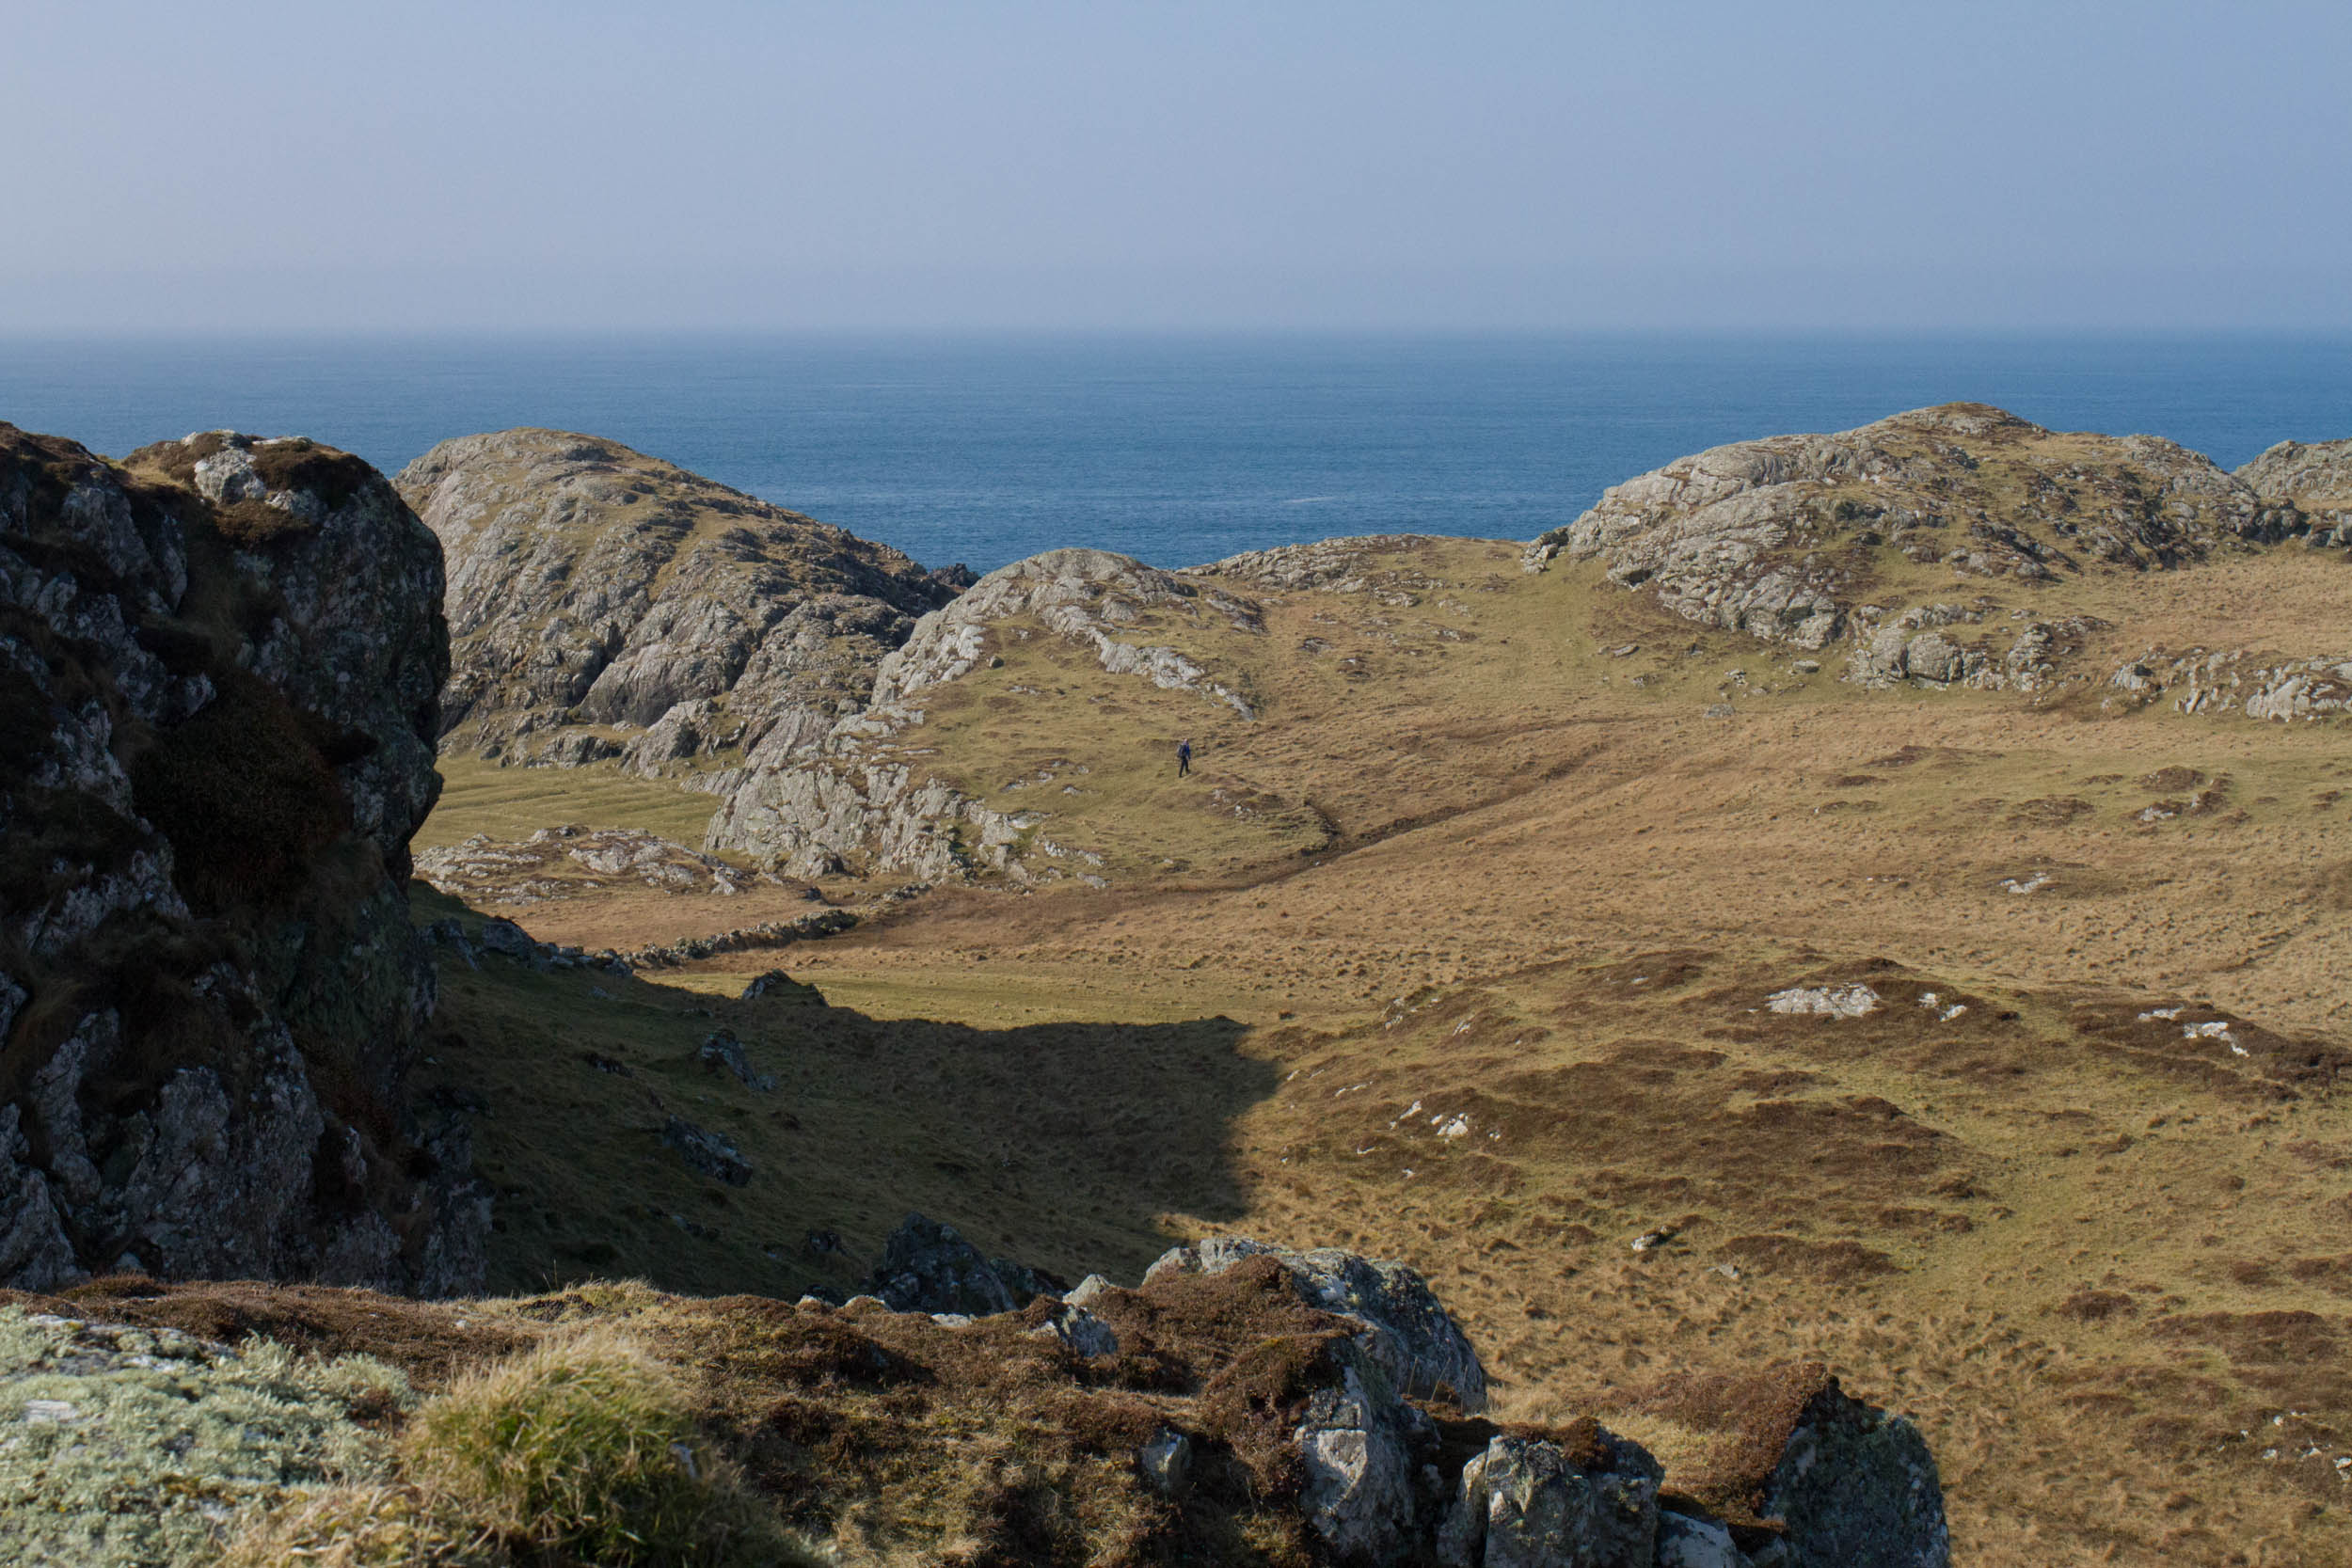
127, 1444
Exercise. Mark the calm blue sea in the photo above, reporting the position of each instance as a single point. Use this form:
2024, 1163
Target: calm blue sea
1175, 450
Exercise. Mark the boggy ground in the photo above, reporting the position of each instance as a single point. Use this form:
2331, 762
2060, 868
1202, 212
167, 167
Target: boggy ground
2100, 1257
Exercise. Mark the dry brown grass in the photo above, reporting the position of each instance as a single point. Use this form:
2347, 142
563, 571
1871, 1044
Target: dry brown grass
2086, 1252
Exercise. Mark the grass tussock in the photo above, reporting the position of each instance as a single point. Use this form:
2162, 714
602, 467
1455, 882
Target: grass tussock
586, 1448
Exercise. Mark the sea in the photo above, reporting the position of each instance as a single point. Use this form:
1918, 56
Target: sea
1177, 450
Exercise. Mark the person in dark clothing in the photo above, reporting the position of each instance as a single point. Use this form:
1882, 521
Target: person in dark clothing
1184, 757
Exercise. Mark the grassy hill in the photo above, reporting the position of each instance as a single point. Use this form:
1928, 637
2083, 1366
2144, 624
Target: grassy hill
1487, 855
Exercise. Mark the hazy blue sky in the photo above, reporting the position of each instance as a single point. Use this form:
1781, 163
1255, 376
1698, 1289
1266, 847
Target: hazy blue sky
1187, 164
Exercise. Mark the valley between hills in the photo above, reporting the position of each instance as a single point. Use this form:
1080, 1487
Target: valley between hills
1874, 901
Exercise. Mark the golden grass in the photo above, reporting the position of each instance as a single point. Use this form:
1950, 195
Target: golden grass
480, 797
2084, 1265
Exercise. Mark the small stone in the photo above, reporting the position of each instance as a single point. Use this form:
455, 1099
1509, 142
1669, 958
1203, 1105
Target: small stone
1166, 1461
49, 1412
1080, 1331
1089, 1291
1721, 710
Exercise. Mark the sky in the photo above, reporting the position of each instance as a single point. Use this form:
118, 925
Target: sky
1175, 165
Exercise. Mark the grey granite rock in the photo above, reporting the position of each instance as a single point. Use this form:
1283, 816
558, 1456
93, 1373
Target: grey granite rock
811, 801
1530, 1502
1361, 1450
218, 681
1771, 537
1407, 1332
603, 603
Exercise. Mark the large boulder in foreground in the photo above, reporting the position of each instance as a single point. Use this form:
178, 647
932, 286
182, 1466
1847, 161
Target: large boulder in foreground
603, 603
1777, 538
219, 668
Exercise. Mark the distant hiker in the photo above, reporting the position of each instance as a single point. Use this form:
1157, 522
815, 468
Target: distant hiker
1183, 756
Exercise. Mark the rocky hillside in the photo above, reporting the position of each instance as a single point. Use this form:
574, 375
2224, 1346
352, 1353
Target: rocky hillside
2315, 478
219, 671
607, 604
1790, 538
851, 801
1243, 1403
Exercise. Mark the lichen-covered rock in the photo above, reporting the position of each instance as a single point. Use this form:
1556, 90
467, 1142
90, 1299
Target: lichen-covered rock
591, 585
1587, 1500
1774, 538
131, 1446
1408, 1334
219, 665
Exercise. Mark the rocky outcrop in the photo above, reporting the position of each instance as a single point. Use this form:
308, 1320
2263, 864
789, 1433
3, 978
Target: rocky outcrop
2315, 478
560, 863
1332, 1358
1777, 538
928, 1267
1930, 646
856, 800
1524, 1499
1088, 596
2259, 686
1353, 565
219, 668
1412, 1339
604, 604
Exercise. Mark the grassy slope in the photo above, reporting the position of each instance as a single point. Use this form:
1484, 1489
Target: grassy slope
1520, 829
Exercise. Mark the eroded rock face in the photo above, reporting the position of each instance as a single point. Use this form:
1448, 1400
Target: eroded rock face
1408, 1334
1773, 538
219, 668
606, 604
816, 804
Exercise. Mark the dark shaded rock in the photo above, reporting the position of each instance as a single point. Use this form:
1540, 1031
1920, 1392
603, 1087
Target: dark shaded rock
776, 986
929, 1267
1847, 1485
721, 1051
220, 662
706, 1151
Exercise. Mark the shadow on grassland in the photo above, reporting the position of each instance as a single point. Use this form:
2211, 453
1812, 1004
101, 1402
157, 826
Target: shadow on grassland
1065, 1146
